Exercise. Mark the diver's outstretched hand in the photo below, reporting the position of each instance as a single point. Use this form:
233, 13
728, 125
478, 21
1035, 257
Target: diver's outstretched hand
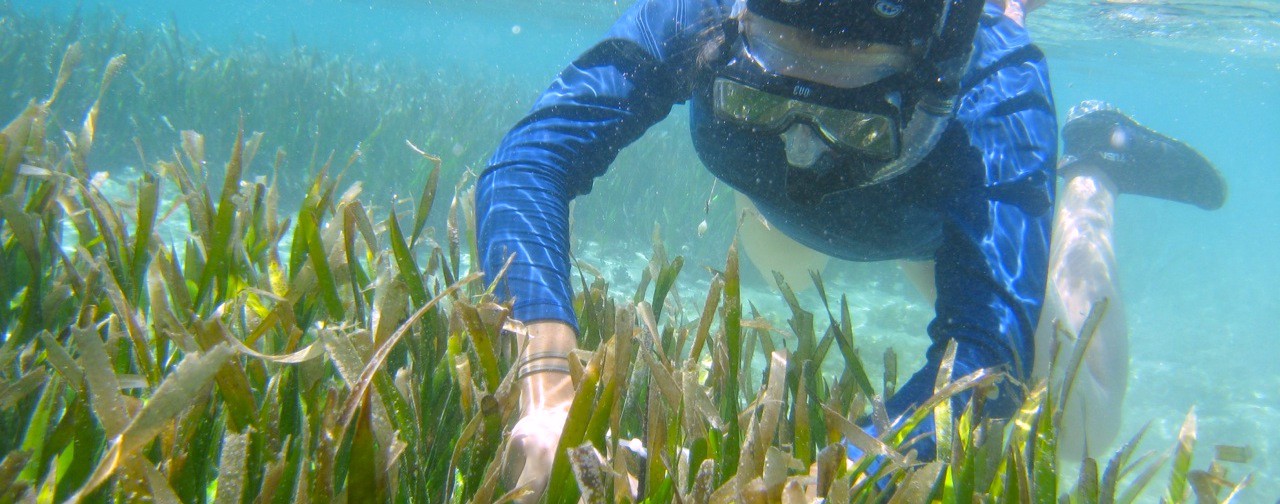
546, 392
531, 451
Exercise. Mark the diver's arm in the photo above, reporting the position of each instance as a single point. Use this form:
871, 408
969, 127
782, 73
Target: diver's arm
602, 102
991, 267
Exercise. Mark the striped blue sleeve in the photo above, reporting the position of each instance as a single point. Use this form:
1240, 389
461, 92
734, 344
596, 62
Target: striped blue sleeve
602, 102
992, 264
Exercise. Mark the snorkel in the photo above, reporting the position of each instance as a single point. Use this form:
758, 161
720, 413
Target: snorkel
940, 71
939, 32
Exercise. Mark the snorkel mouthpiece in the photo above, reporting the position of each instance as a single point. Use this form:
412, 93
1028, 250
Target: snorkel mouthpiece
803, 146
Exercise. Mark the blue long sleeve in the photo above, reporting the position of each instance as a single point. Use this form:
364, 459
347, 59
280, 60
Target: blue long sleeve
993, 260
601, 103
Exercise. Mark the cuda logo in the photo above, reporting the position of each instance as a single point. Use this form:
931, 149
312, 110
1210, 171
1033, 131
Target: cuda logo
888, 8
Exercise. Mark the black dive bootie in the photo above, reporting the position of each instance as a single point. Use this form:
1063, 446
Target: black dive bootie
1137, 159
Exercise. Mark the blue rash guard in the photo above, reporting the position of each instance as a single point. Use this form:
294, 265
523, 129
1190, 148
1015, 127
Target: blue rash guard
979, 205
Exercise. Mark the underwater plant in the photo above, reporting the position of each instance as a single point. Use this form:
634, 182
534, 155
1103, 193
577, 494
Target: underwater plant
325, 355
314, 105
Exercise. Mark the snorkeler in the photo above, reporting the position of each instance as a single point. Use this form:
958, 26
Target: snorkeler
867, 130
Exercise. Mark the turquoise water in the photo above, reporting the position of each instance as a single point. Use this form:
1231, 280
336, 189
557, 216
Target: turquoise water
1199, 286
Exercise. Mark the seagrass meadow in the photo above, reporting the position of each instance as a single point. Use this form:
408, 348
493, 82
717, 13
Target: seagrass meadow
313, 105
338, 346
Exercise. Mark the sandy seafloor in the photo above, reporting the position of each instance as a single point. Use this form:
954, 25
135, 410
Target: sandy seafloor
1199, 287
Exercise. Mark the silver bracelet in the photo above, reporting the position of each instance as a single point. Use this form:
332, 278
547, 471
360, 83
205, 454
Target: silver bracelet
525, 370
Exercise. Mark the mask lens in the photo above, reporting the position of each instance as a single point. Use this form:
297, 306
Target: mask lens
851, 130
847, 130
750, 106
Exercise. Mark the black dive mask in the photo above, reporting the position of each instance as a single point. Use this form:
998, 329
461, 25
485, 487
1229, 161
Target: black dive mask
864, 121
873, 133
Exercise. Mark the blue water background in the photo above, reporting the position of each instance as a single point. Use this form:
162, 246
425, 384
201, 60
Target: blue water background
1200, 287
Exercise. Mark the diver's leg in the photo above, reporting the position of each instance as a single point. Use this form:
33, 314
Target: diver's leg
1017, 10
771, 251
1105, 154
1082, 272
1082, 267
920, 273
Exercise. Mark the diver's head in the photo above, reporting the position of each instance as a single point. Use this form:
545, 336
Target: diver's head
872, 82
841, 43
802, 54
849, 43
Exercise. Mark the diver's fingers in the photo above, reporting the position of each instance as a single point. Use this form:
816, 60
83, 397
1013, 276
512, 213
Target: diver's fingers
532, 451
